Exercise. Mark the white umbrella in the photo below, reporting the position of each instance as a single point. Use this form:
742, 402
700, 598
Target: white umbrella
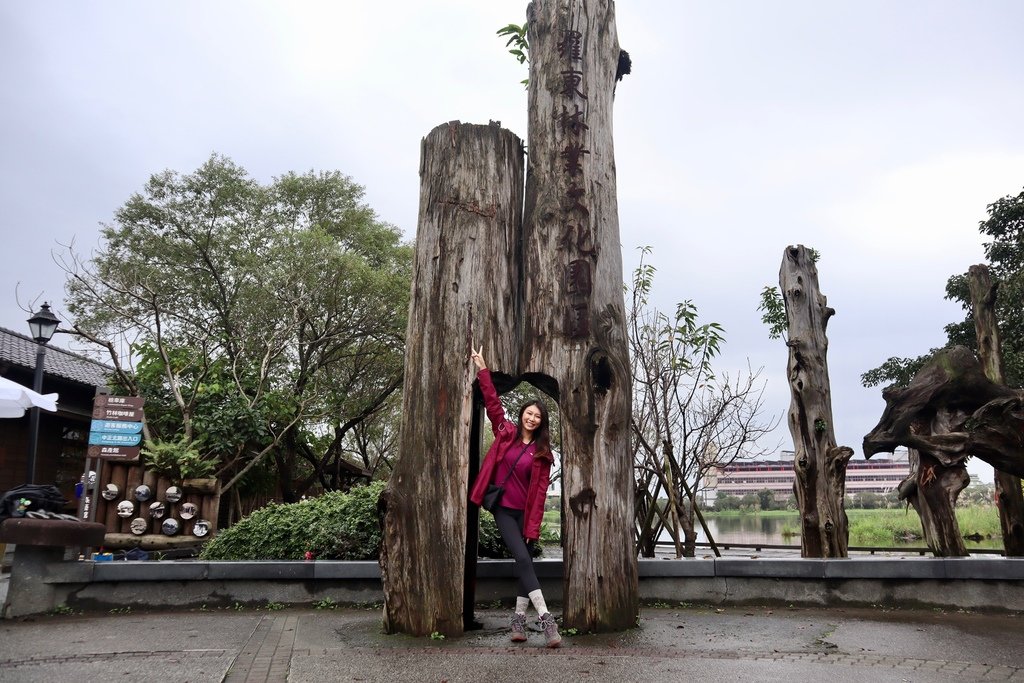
14, 399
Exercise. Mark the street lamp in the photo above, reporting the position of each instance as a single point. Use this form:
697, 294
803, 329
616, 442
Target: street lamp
42, 325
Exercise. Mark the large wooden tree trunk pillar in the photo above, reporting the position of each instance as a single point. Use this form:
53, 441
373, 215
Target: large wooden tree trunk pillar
820, 464
986, 327
464, 290
574, 322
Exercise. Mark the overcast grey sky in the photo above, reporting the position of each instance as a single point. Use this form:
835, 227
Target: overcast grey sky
874, 131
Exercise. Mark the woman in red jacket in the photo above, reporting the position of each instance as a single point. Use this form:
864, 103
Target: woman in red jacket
520, 460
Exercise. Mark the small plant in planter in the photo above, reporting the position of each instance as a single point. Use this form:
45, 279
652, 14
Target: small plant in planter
179, 461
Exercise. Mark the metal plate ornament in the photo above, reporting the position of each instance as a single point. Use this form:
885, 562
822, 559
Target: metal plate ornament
170, 526
172, 494
125, 508
143, 493
188, 510
156, 510
110, 492
201, 528
138, 526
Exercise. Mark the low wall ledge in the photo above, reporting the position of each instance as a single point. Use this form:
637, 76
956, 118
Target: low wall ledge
984, 568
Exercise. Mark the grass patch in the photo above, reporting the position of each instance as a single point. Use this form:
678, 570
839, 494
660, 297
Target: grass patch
885, 527
982, 520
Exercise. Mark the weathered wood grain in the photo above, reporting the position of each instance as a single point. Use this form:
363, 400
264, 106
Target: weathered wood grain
574, 343
819, 464
465, 290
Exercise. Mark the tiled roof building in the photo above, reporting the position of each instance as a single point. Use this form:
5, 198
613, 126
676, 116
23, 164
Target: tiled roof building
19, 349
62, 435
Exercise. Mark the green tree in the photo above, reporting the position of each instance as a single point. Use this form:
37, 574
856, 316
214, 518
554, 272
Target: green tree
865, 500
750, 502
766, 499
727, 502
264, 323
1004, 251
977, 494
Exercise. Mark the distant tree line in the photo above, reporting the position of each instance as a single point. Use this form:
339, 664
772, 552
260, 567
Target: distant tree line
765, 500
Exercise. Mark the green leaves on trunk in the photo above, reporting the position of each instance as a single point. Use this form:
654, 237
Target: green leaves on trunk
773, 312
773, 307
519, 46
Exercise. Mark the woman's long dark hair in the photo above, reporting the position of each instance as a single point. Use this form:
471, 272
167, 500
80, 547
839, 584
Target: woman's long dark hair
541, 435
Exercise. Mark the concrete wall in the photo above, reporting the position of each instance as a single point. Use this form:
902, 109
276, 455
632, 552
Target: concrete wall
984, 584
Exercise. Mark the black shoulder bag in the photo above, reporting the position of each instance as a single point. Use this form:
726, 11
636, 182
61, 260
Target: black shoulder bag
494, 492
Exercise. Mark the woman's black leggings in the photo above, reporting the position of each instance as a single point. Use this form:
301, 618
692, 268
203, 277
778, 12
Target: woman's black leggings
510, 525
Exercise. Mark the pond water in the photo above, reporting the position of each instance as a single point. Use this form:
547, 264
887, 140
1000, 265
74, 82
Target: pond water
757, 529
749, 529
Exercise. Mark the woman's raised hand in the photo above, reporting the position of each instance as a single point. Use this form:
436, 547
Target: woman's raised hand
477, 358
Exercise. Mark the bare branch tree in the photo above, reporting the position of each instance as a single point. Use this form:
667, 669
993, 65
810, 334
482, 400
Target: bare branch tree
687, 421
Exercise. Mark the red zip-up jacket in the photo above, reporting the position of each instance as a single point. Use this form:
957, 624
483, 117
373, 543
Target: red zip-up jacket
505, 438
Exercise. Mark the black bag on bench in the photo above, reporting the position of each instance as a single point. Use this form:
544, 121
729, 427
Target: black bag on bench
41, 498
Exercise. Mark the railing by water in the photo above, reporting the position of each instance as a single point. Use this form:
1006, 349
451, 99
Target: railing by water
761, 547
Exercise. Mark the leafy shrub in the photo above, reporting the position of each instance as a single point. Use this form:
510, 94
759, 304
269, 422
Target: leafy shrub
176, 460
334, 526
551, 528
492, 546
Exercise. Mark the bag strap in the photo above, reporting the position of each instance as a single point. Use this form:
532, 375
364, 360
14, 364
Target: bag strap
512, 470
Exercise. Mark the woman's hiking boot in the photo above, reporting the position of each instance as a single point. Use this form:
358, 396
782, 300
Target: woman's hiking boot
547, 623
518, 627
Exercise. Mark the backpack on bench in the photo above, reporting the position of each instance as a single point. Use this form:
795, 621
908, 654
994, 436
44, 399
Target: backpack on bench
26, 498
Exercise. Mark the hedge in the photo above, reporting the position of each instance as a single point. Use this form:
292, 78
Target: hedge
334, 526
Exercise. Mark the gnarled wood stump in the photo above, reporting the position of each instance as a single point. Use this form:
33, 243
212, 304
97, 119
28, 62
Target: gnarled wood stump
948, 411
465, 285
983, 419
820, 464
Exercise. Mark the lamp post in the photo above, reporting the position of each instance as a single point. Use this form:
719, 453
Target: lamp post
42, 325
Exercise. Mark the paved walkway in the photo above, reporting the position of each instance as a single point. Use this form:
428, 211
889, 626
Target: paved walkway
672, 644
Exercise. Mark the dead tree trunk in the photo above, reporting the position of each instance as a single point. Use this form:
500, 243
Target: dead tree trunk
574, 315
465, 283
932, 489
1008, 486
948, 411
820, 464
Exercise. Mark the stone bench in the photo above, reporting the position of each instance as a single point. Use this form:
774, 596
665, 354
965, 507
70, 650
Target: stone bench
40, 543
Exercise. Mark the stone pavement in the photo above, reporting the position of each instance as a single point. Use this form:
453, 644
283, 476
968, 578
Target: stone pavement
671, 643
